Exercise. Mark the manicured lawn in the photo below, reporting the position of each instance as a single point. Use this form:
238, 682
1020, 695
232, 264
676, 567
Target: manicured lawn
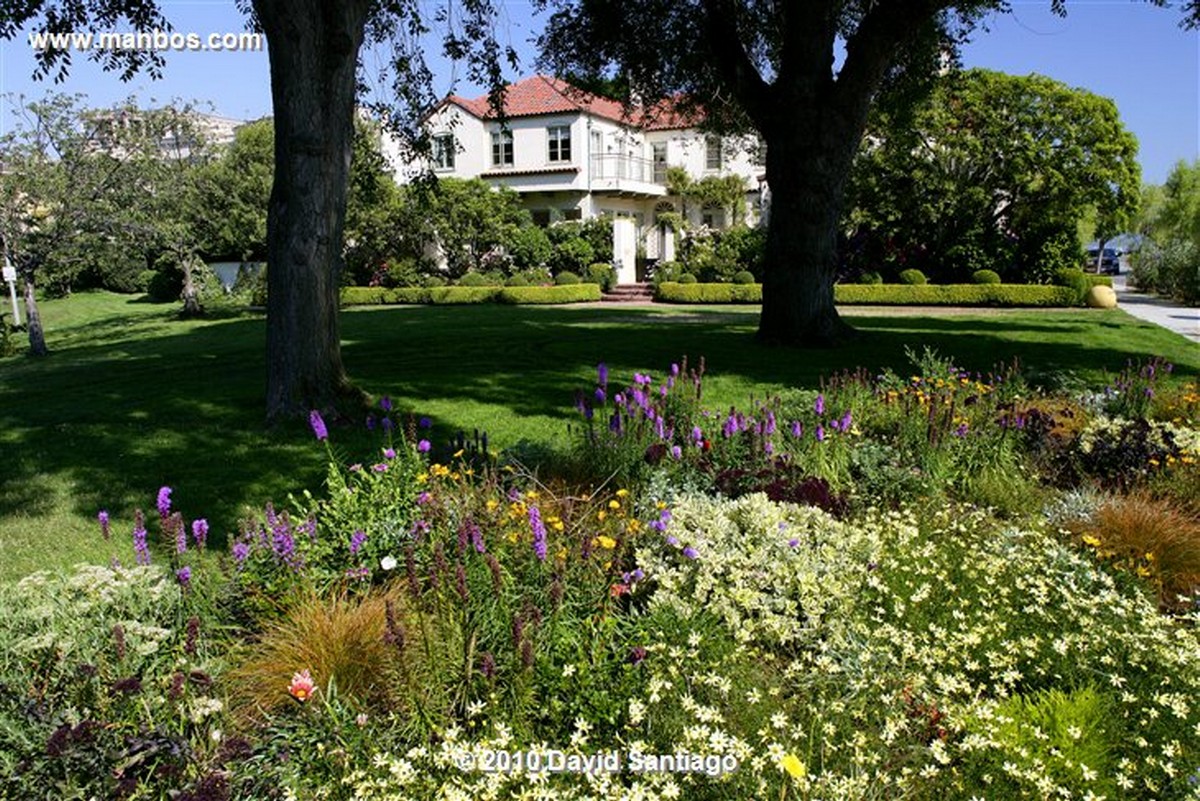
132, 399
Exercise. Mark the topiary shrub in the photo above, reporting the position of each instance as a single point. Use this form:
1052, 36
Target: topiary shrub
601, 274
566, 278
870, 278
743, 277
474, 279
517, 280
687, 278
1073, 278
985, 277
667, 271
913, 277
434, 281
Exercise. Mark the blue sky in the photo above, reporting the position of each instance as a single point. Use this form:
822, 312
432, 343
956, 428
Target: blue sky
1128, 51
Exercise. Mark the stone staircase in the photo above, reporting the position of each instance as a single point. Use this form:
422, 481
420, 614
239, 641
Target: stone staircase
630, 293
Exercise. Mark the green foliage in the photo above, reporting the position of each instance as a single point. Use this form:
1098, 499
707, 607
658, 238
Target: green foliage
1074, 279
453, 295
474, 279
529, 247
566, 278
1169, 262
870, 277
516, 280
985, 277
927, 195
669, 271
913, 277
687, 278
473, 222
602, 274
572, 256
684, 291
743, 277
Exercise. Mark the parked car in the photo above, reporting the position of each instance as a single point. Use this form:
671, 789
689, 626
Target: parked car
1110, 262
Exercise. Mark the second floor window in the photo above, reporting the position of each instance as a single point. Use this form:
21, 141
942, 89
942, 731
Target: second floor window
502, 149
559, 139
443, 151
712, 153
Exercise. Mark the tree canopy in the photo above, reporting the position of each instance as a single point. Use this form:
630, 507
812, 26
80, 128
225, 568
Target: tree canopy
991, 171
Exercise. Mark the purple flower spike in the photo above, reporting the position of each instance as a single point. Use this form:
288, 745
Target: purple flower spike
370, 422
423, 446
697, 435
200, 531
318, 425
389, 453
386, 424
600, 396
140, 548
539, 533
847, 420
425, 422
164, 502
820, 433
385, 403
797, 429
380, 468
103, 518
674, 370
691, 553
793, 543
672, 540
676, 452
819, 406
602, 374
184, 576
241, 552
356, 541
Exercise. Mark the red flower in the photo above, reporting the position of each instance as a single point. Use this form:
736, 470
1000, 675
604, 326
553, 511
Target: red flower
301, 687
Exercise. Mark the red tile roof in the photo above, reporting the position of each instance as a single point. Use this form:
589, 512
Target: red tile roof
543, 94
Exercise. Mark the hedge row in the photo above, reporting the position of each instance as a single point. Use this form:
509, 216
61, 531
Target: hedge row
887, 294
463, 295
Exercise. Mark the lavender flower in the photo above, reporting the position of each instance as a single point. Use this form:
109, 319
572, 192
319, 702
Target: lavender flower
380, 468
356, 541
385, 403
370, 422
600, 396
425, 423
386, 424
389, 453
674, 370
424, 498
691, 553
318, 425
676, 452
423, 446
697, 435
164, 502
819, 406
241, 552
539, 533
820, 433
140, 548
847, 420
184, 576
602, 374
200, 532
103, 518
797, 429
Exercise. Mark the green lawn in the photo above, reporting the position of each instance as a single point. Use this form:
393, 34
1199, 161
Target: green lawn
132, 399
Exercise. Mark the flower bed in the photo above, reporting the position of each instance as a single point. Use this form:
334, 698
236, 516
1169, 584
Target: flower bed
896, 586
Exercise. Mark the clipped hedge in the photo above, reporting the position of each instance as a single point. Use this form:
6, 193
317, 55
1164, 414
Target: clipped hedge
570, 293
886, 294
465, 295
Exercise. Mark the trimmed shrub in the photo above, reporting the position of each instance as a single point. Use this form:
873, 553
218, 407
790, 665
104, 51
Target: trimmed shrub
375, 296
870, 278
886, 294
543, 295
687, 278
743, 277
602, 274
913, 277
453, 295
1074, 279
985, 277
1099, 280
474, 279
517, 280
668, 271
566, 278
434, 281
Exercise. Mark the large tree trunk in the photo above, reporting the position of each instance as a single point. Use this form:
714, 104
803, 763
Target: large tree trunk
33, 319
313, 47
807, 168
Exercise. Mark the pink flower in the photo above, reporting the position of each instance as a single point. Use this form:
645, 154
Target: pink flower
301, 687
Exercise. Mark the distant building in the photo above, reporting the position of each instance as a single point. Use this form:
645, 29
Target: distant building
176, 142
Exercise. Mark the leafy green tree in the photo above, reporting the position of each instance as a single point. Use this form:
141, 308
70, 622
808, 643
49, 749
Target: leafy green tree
994, 171
314, 60
471, 222
236, 189
770, 67
1168, 261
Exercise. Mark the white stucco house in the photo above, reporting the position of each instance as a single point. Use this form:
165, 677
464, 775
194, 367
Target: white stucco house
572, 155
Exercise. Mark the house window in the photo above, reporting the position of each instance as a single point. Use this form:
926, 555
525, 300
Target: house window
712, 153
502, 149
572, 214
443, 151
660, 162
559, 139
713, 217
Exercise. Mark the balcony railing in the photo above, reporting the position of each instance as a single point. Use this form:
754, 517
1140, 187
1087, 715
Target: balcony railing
617, 168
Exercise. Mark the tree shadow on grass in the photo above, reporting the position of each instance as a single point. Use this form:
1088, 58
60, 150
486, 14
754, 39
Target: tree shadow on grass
114, 419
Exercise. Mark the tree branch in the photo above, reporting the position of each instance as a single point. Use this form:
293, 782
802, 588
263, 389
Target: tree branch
733, 65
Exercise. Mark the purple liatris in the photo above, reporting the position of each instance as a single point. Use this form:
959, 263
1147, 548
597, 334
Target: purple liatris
241, 552
847, 420
385, 403
797, 429
539, 533
676, 452
318, 425
140, 548
697, 435
819, 405
164, 502
103, 518
691, 553
820, 433
184, 576
602, 374
356, 541
600, 396
200, 532
176, 525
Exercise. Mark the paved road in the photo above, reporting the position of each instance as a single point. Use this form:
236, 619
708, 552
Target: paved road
1180, 319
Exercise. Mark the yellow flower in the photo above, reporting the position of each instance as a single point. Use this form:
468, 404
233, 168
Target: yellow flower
457, 454
634, 526
531, 494
621, 493
795, 768
422, 478
557, 525
1149, 557
606, 542
614, 504
660, 505
491, 504
601, 515
1091, 540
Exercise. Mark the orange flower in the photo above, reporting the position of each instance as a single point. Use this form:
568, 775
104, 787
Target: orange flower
301, 687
